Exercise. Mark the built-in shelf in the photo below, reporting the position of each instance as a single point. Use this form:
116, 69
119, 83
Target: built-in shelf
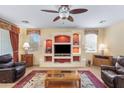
76, 50
62, 43
47, 54
76, 45
63, 57
76, 54
73, 56
48, 46
62, 39
60, 60
75, 39
76, 58
48, 58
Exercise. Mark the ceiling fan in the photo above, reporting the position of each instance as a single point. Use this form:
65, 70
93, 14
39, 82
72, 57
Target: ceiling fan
64, 12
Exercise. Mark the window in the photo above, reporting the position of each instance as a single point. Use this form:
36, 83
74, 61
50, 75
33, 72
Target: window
91, 42
5, 43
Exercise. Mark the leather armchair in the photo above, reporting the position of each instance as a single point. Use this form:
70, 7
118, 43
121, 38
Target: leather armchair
10, 71
113, 76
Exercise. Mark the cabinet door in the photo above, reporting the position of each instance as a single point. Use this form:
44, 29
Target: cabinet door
102, 60
23, 58
29, 60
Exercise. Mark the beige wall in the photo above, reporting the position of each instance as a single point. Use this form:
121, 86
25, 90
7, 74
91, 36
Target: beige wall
22, 39
114, 38
47, 33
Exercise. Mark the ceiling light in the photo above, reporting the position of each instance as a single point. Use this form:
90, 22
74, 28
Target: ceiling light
102, 21
25, 21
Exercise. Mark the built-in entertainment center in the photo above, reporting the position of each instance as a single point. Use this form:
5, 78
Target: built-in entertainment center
62, 48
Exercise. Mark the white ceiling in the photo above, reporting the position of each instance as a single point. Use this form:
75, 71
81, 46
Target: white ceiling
38, 19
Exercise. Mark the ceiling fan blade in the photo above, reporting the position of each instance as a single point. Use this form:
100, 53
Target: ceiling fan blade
70, 18
56, 18
51, 11
78, 11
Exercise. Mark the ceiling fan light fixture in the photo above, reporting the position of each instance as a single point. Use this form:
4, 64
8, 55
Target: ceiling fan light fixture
64, 15
64, 12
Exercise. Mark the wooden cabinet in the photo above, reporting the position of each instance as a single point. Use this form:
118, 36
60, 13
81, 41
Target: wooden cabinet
99, 60
28, 58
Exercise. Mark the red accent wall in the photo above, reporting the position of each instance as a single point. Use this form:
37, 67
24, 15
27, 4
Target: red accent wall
76, 39
62, 39
75, 49
49, 43
76, 58
62, 60
48, 58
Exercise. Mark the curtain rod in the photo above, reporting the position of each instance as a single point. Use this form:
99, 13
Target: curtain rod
7, 22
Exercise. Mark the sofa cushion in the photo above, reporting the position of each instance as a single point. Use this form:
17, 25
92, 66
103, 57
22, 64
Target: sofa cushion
109, 75
119, 69
114, 60
7, 65
5, 58
121, 61
19, 69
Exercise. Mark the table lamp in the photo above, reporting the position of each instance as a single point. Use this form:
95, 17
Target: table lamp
102, 48
26, 47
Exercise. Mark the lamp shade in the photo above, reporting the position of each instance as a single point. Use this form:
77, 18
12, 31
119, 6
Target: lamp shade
26, 45
102, 47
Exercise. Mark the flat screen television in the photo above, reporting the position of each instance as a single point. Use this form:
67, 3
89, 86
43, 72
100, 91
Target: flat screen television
62, 49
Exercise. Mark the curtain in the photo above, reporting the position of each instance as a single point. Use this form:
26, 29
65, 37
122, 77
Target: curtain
91, 31
14, 37
33, 30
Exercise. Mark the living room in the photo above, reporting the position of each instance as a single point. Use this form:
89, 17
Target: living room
61, 46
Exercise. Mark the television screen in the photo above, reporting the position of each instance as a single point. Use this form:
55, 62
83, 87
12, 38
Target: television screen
62, 49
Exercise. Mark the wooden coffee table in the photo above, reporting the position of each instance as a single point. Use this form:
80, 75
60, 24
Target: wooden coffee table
63, 76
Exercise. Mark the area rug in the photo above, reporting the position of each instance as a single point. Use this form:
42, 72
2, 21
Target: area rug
36, 79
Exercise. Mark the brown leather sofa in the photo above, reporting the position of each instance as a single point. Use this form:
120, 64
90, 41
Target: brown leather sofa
10, 71
113, 76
